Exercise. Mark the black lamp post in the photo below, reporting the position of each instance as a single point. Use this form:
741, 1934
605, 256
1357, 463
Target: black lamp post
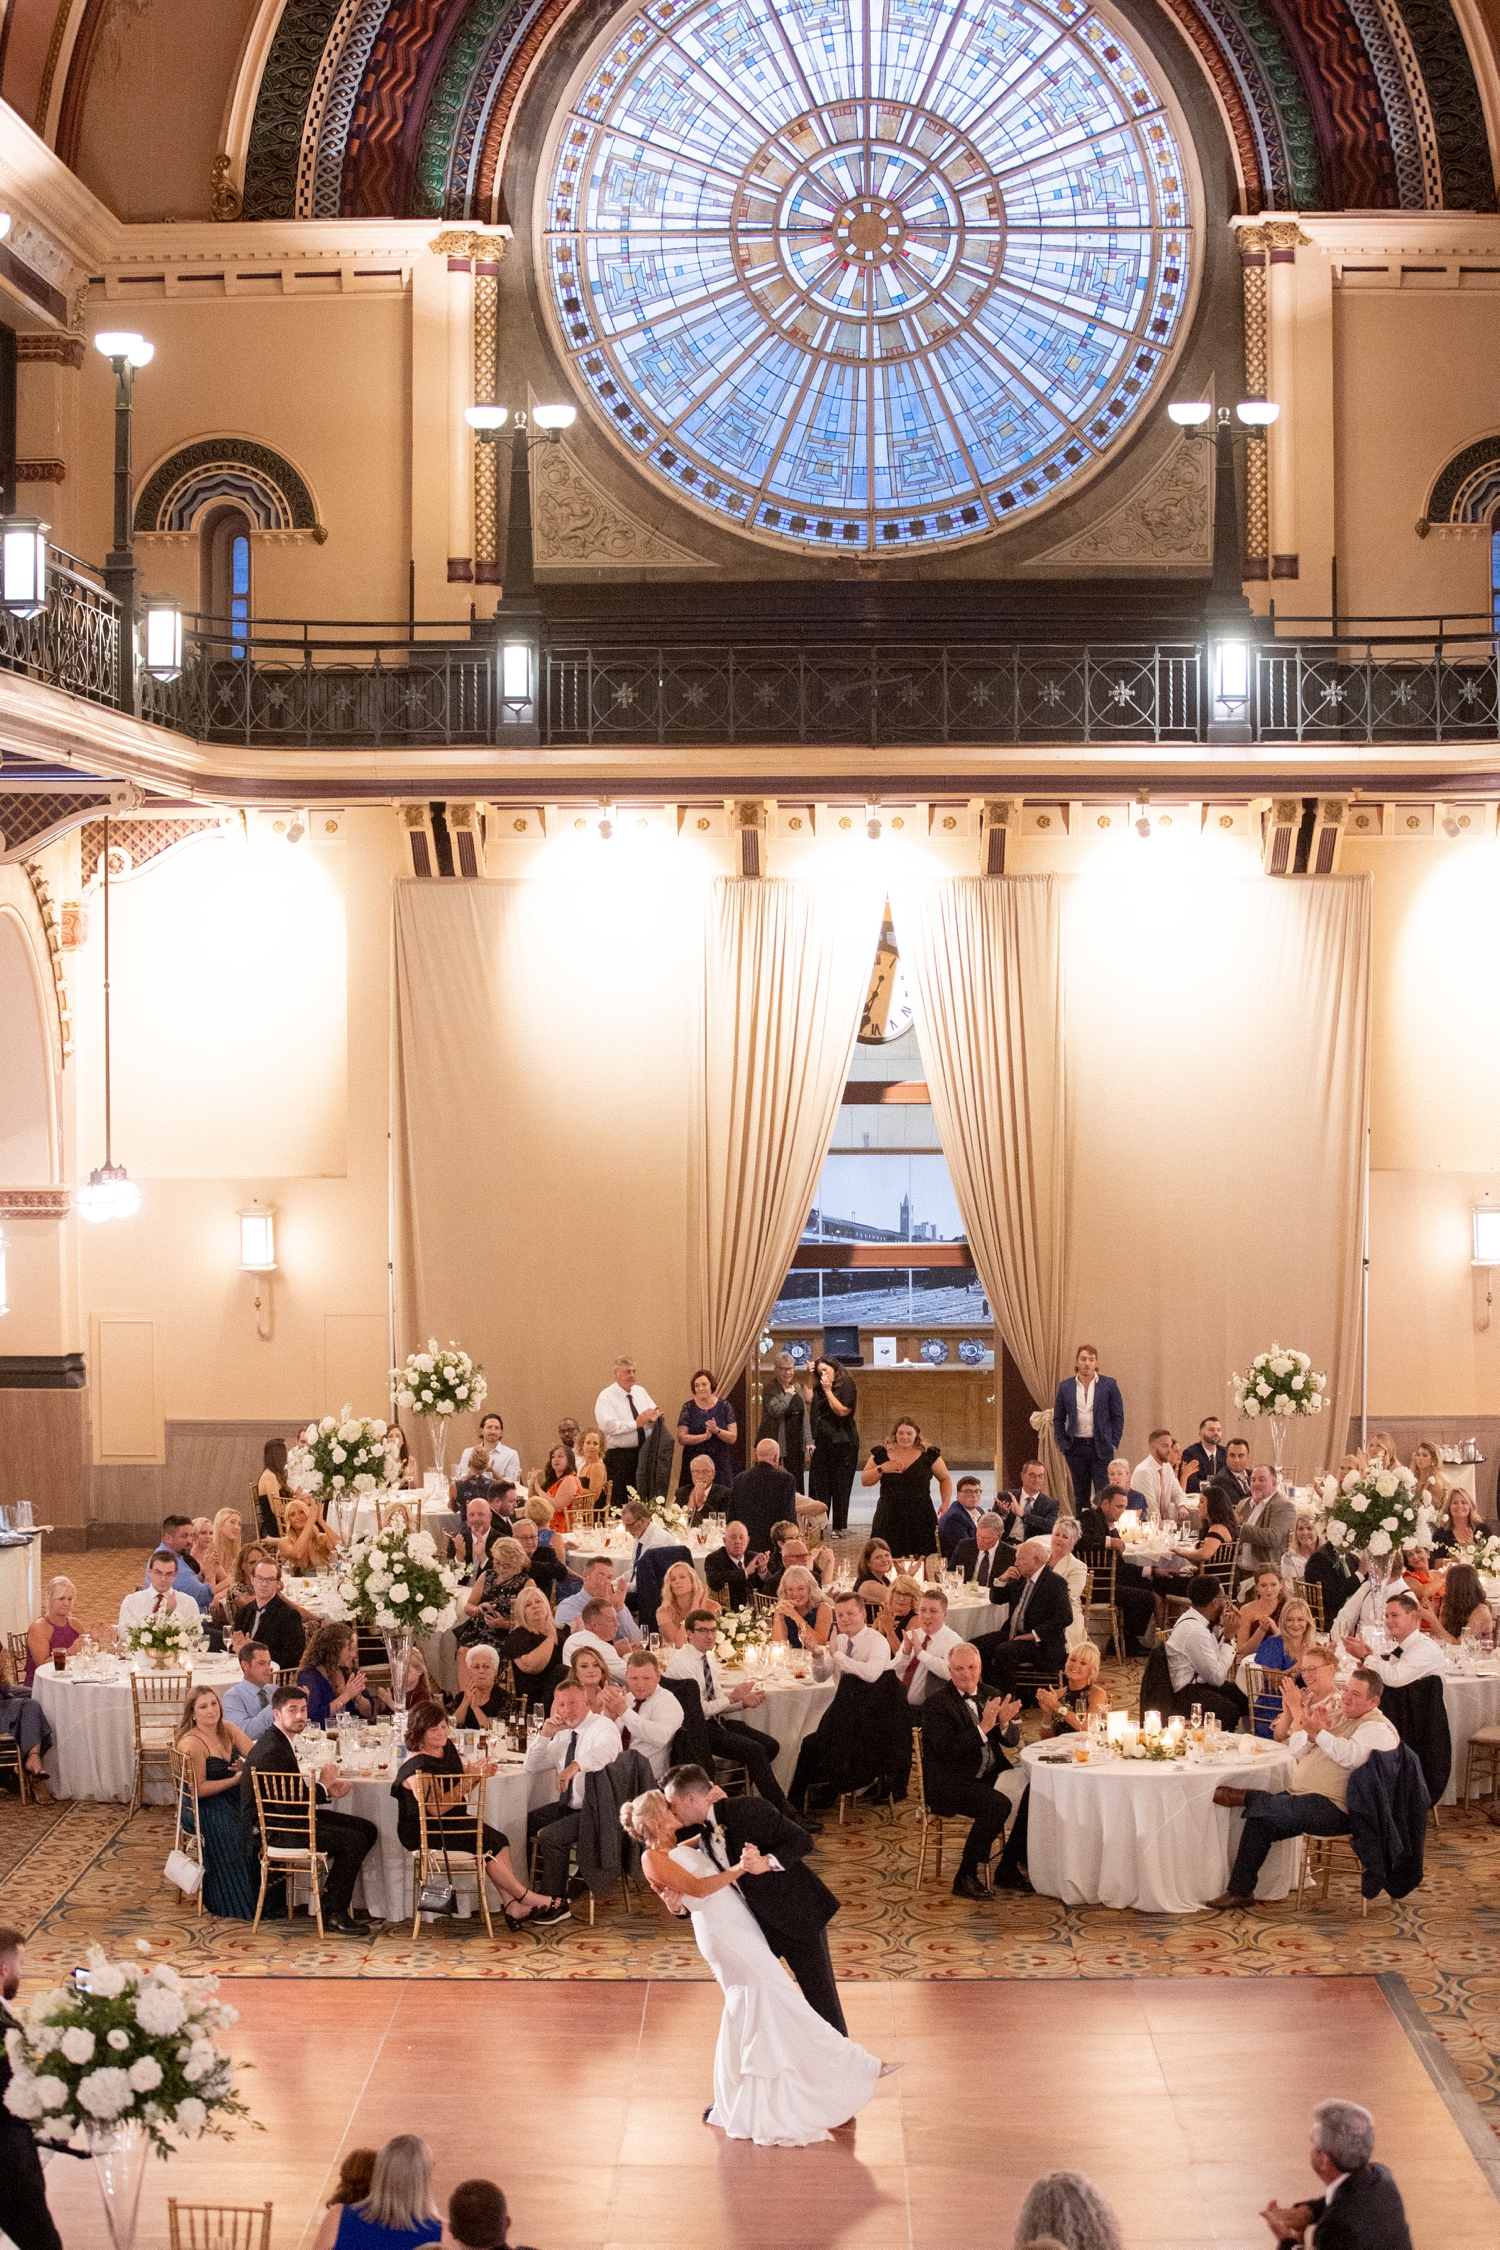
1228, 615
125, 351
518, 613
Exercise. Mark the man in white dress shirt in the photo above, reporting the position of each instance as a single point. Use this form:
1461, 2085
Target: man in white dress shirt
926, 1647
647, 1714
157, 1597
1363, 1613
621, 1411
501, 1459
726, 1733
247, 1705
574, 1742
597, 1628
1157, 1479
644, 1532
1411, 1655
601, 1585
1200, 1655
853, 1646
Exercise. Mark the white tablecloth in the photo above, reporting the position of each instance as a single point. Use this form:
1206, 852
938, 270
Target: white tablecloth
21, 1585
93, 1748
384, 1885
1471, 1704
1120, 1832
793, 1709
971, 1616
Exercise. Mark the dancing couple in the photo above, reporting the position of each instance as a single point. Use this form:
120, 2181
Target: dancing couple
785, 2071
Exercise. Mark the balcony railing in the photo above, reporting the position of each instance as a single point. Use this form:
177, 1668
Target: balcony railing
268, 684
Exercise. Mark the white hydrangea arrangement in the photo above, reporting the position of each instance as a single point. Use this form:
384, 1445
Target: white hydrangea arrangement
169, 1632
1483, 1556
665, 1511
1279, 1383
135, 2047
1376, 1509
739, 1630
397, 1583
344, 1453
438, 1382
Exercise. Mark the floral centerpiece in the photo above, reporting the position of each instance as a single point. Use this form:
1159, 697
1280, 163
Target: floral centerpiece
344, 1454
169, 1635
739, 1631
1279, 1384
115, 2063
665, 1511
1376, 1510
1483, 1556
397, 1583
436, 1384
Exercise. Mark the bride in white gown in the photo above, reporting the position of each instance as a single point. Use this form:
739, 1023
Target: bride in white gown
782, 2076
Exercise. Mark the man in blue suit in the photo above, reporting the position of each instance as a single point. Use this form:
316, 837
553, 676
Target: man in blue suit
1088, 1420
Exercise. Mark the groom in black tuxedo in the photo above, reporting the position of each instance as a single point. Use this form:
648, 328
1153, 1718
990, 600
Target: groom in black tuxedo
793, 1908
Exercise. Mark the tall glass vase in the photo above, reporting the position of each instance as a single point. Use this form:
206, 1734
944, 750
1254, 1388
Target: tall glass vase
439, 1426
1278, 1446
119, 2154
398, 1647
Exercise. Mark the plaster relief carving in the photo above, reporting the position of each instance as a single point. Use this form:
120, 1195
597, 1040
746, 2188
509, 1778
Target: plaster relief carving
579, 526
1167, 520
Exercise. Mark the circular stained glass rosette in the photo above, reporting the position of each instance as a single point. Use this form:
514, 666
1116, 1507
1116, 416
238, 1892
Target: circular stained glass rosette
868, 274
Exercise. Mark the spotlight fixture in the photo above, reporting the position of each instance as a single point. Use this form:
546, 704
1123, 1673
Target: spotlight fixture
1450, 823
1143, 817
872, 823
606, 823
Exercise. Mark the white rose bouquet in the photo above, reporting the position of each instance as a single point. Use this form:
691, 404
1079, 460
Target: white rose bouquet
171, 1632
739, 1630
397, 1584
1483, 1556
438, 1382
344, 1453
666, 1512
1279, 1383
133, 2048
1377, 1509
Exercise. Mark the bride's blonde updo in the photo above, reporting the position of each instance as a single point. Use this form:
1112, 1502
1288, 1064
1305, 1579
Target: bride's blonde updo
644, 1816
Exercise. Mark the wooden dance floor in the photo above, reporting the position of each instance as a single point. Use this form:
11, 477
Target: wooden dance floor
1188, 2103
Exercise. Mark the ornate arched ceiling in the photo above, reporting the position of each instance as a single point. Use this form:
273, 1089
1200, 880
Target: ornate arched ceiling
405, 107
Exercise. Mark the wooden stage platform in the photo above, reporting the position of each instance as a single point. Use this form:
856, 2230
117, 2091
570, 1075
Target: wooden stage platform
1188, 2103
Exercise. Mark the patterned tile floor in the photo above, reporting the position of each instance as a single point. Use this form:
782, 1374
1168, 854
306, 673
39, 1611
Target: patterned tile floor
80, 1875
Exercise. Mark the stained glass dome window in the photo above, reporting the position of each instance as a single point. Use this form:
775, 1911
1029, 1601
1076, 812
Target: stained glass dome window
863, 275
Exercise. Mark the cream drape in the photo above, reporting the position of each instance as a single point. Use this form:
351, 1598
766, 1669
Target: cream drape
983, 961
545, 1109
1217, 1058
786, 967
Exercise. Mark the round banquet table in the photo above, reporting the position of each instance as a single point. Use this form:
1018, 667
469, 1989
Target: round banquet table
93, 1746
384, 1884
1128, 1832
793, 1710
970, 1616
1471, 1702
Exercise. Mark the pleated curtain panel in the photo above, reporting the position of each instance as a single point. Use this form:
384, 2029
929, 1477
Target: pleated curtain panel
786, 966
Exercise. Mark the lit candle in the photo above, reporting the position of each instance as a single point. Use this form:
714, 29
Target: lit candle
1115, 1727
1153, 1724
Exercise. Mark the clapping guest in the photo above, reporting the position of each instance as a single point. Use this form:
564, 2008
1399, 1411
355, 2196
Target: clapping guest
728, 1735
159, 1596
921, 1655
432, 1750
592, 1474
853, 1646
682, 1591
307, 1544
873, 1572
531, 1645
897, 1614
803, 1618
332, 1678
487, 1611
706, 1426
216, 1750
481, 1701
200, 1553
470, 1544
1283, 1651
397, 2214
784, 1401
705, 1494
1080, 1697
731, 1572
647, 1714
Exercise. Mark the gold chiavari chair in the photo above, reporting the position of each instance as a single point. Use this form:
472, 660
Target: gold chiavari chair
156, 1700
286, 1810
1263, 1684
10, 1755
20, 1656
1099, 1597
218, 2226
451, 1818
189, 1835
1309, 1591
407, 1511
932, 1823
1320, 1855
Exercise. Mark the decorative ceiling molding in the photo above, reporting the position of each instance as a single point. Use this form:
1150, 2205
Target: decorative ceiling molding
1165, 526
582, 532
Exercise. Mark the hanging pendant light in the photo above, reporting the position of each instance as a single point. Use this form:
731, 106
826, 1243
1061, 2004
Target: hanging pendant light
110, 1194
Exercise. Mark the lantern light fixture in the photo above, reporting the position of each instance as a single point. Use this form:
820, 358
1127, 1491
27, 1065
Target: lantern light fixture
1486, 1234
23, 565
124, 343
258, 1237
161, 635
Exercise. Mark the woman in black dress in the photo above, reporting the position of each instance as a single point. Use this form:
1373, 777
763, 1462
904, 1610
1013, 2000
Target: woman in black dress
433, 1750
534, 1647
835, 1439
905, 1517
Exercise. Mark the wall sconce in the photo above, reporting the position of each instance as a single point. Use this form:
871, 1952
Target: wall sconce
161, 638
23, 565
258, 1256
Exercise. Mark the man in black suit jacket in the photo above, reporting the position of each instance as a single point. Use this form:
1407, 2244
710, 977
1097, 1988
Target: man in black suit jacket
985, 1558
793, 1908
343, 1836
1134, 1596
732, 1571
270, 1619
1336, 1575
764, 1495
1035, 1634
1205, 1459
962, 1730
1362, 2209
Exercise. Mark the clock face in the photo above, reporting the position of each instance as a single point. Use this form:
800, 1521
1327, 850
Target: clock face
887, 1012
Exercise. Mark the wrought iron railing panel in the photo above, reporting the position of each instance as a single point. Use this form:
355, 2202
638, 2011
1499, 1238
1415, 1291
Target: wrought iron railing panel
439, 696
73, 643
